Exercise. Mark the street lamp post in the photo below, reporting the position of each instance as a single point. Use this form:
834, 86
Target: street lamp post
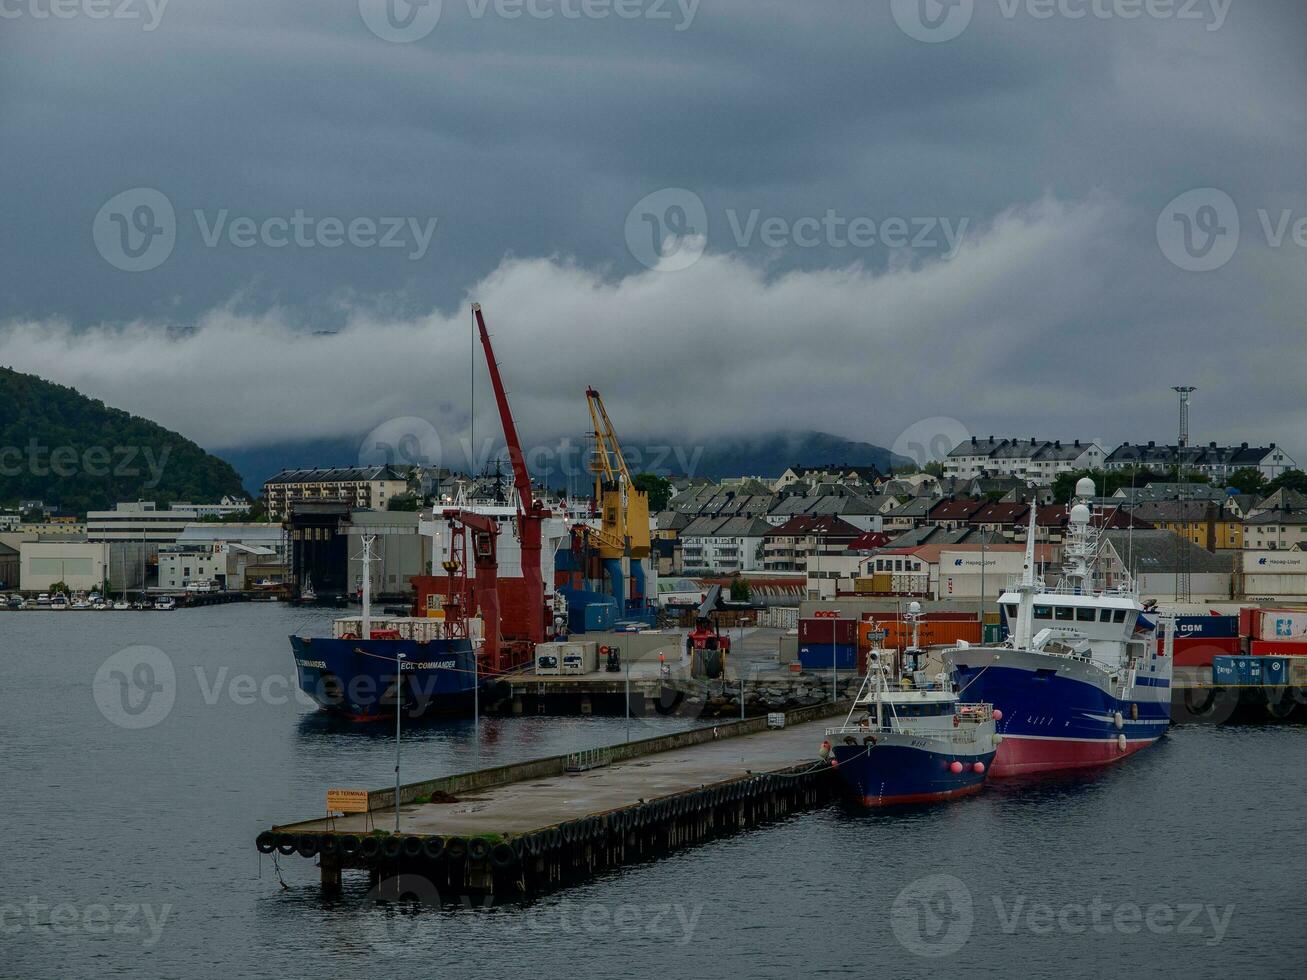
399, 678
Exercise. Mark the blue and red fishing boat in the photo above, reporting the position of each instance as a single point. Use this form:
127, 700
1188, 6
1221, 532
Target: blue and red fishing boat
909, 738
1081, 681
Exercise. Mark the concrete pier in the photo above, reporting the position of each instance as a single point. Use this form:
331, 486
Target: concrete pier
523, 829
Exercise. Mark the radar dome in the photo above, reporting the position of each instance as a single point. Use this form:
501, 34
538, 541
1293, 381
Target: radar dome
1080, 514
1085, 487
914, 607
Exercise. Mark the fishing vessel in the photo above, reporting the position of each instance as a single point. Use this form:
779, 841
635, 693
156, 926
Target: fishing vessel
1081, 681
353, 672
909, 738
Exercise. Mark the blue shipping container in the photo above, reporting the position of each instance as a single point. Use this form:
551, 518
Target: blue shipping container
1275, 670
1236, 671
1206, 627
817, 656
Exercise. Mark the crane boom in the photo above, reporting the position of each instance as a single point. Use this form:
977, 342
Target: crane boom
624, 508
530, 511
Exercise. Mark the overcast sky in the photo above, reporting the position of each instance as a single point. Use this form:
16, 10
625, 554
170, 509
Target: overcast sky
684, 205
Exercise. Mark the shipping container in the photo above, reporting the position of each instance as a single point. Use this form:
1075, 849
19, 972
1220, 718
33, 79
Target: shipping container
1196, 652
817, 656
993, 633
843, 631
1237, 671
1275, 670
1207, 627
898, 633
1277, 648
1279, 624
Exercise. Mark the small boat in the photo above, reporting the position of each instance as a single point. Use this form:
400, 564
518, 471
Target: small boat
59, 602
910, 738
100, 606
165, 603
121, 605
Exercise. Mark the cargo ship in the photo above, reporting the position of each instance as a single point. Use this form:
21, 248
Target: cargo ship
909, 738
1081, 681
370, 666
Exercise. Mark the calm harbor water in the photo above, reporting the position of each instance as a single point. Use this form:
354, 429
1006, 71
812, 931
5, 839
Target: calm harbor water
128, 843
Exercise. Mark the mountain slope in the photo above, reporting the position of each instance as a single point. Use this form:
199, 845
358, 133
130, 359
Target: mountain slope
61, 447
758, 455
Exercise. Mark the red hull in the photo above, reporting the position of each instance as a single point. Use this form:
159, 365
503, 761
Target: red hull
1018, 756
912, 798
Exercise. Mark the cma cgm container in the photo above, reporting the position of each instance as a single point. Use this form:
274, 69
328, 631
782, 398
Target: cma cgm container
1206, 627
840, 631
817, 656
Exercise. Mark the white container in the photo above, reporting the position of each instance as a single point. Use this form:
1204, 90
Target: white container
775, 719
549, 658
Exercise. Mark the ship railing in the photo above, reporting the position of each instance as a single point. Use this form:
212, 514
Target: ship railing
966, 733
588, 759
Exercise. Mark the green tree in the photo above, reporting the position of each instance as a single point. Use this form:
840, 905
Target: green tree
1249, 479
658, 488
1289, 480
404, 501
935, 468
740, 590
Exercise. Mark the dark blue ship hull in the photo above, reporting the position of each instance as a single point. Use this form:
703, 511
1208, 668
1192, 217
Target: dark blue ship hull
356, 678
910, 773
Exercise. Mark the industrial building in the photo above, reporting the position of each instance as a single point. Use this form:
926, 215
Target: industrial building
81, 565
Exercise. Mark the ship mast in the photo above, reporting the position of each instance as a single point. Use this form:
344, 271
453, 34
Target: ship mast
1028, 588
365, 630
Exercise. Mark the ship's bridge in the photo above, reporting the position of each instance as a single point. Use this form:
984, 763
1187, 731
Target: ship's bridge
1097, 617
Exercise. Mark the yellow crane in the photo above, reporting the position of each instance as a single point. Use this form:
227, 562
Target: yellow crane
624, 509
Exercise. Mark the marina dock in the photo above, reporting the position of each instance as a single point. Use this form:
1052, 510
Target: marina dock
520, 830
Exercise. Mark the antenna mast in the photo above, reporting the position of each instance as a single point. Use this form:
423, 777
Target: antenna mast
1183, 565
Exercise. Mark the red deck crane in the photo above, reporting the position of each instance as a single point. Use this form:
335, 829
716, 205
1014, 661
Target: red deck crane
530, 511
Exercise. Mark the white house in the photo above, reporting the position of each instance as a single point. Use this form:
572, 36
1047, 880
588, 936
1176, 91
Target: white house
723, 545
1033, 460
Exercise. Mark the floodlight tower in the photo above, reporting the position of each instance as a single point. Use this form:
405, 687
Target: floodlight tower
1183, 587
1184, 391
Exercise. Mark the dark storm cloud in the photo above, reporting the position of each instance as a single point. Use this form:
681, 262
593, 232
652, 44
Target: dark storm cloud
1058, 141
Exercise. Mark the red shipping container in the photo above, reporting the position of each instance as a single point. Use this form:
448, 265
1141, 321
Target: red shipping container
1246, 620
843, 632
1198, 651
1278, 648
